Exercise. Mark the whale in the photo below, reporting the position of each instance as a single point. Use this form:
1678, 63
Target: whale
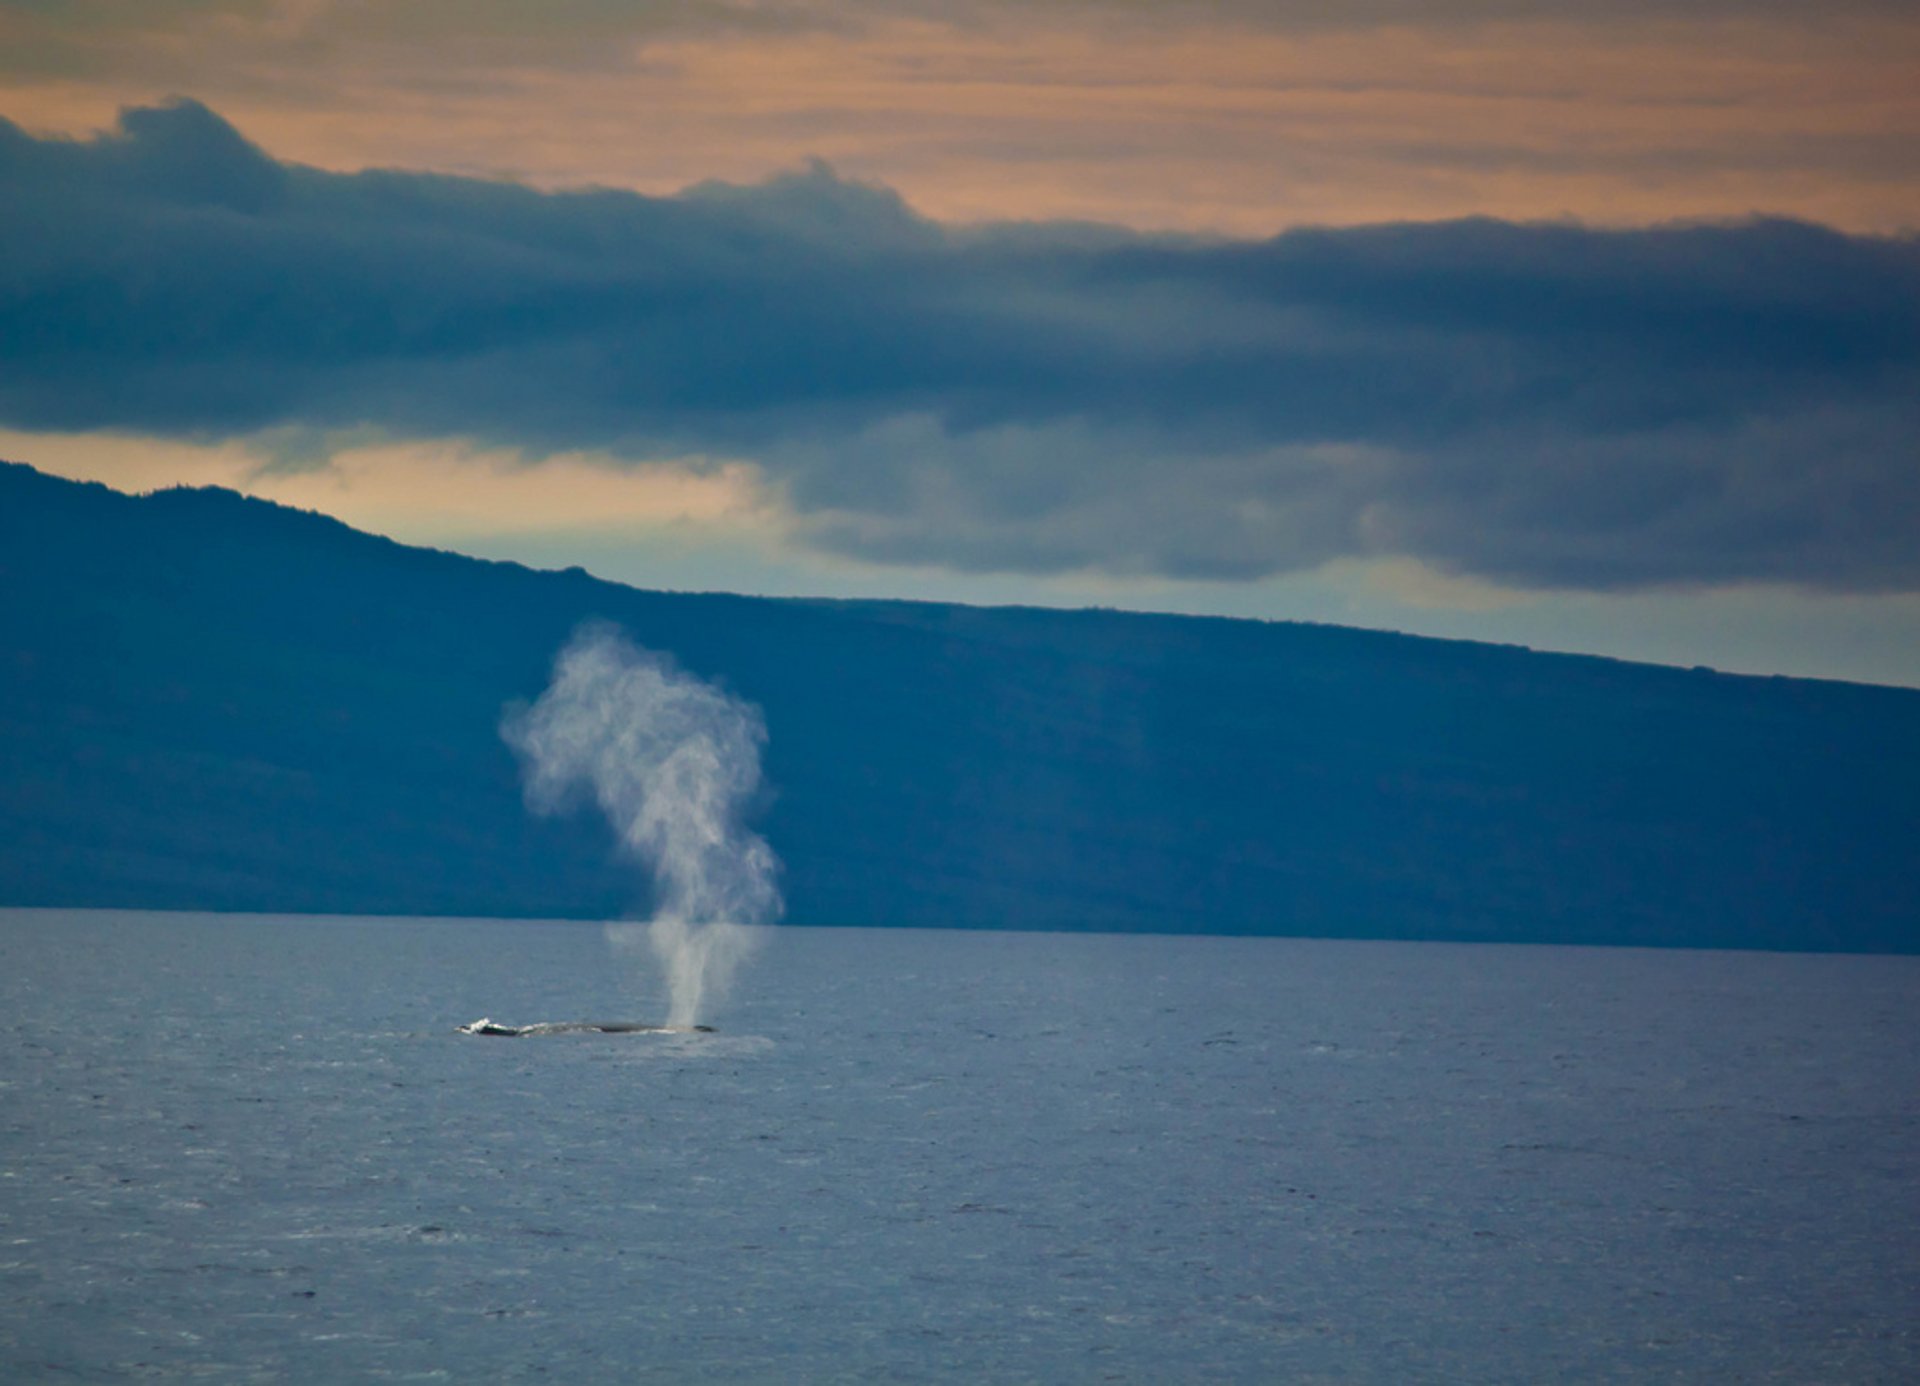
488, 1026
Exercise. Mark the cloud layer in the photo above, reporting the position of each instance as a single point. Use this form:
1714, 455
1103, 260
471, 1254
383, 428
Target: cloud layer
1200, 115
1543, 405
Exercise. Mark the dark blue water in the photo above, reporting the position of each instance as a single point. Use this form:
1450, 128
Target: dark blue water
254, 1149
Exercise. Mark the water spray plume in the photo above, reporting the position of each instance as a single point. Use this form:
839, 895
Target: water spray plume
672, 761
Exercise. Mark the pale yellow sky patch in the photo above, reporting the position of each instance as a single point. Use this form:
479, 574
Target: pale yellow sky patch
431, 492
134, 464
451, 492
1410, 583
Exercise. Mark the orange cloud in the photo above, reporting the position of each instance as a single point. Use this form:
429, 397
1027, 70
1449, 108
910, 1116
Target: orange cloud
1203, 127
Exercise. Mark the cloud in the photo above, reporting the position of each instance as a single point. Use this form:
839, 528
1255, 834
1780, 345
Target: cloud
90, 36
1213, 116
1542, 405
79, 35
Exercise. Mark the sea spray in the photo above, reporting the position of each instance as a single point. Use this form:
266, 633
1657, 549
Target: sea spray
672, 761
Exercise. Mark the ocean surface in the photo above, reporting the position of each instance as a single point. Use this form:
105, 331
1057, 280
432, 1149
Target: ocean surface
254, 1148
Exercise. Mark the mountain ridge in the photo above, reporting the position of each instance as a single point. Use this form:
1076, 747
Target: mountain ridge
218, 702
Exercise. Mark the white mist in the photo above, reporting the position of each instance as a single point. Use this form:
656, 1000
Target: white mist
672, 761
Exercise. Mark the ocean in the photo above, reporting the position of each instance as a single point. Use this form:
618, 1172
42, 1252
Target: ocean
254, 1148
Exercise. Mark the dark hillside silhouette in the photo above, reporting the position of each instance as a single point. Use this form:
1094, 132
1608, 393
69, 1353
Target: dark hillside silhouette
212, 702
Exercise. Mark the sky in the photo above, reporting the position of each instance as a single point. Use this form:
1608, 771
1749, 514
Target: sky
1586, 328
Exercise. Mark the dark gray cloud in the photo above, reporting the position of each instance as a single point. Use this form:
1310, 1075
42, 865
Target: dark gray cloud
1546, 405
